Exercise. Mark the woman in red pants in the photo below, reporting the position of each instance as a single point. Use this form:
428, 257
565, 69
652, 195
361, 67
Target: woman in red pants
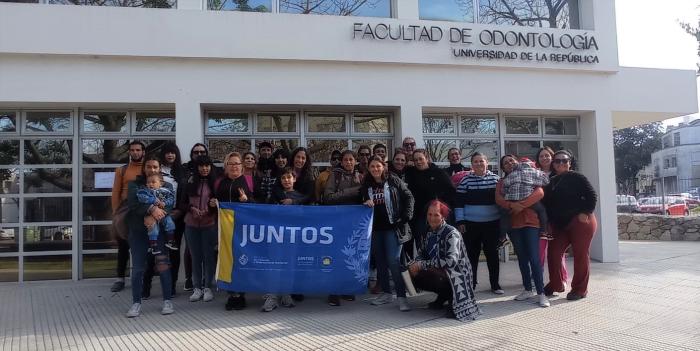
570, 200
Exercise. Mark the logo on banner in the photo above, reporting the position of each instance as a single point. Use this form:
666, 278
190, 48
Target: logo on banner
357, 247
243, 260
326, 261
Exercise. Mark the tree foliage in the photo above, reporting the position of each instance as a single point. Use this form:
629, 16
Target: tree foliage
633, 149
695, 32
534, 13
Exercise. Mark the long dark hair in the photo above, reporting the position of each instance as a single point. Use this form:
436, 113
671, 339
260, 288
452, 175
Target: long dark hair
503, 159
369, 181
276, 171
193, 182
306, 169
539, 152
177, 171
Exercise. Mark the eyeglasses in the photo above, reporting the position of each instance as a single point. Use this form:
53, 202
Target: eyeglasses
560, 160
409, 144
199, 152
233, 163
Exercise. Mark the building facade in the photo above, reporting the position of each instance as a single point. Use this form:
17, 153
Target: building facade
78, 82
677, 164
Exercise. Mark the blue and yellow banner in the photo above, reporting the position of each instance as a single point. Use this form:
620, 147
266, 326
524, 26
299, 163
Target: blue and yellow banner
294, 249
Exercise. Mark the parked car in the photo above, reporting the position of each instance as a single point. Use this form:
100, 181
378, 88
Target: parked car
674, 206
7, 234
689, 199
627, 204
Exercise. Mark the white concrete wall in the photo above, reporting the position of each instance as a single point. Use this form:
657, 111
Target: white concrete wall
77, 56
94, 30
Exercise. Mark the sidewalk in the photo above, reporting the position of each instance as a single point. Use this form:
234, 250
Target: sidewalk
649, 301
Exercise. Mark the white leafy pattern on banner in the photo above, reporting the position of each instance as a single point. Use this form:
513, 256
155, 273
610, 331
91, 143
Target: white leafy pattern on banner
357, 247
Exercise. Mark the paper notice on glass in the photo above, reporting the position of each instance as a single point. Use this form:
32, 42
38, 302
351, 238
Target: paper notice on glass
104, 180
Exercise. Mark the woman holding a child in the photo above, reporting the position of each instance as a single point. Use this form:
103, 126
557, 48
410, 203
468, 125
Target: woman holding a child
524, 234
570, 200
140, 217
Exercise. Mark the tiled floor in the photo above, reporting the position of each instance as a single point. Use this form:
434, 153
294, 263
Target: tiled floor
649, 301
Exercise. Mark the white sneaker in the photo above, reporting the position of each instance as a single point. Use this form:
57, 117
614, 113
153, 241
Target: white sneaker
542, 300
196, 295
134, 311
287, 301
270, 303
526, 294
498, 291
208, 295
167, 307
403, 304
383, 299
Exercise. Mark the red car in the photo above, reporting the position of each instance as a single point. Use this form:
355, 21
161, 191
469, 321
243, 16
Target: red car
674, 206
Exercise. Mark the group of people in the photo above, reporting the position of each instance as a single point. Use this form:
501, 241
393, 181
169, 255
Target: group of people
432, 222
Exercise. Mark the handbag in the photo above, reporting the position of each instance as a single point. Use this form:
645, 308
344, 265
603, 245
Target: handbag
120, 229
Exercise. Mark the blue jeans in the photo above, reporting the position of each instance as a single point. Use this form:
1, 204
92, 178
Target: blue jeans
387, 252
139, 254
168, 226
202, 243
526, 242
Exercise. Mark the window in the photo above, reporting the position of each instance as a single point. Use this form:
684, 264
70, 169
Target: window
8, 122
240, 5
676, 139
667, 142
667, 163
472, 133
560, 126
54, 122
439, 124
522, 125
673, 161
446, 10
320, 132
468, 133
104, 145
532, 13
228, 123
363, 8
166, 4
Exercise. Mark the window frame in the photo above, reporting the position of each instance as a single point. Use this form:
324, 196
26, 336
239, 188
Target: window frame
68, 133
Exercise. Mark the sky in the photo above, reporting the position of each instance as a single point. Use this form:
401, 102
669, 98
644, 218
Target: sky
649, 35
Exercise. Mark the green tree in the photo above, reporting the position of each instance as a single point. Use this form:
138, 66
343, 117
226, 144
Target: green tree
633, 149
695, 32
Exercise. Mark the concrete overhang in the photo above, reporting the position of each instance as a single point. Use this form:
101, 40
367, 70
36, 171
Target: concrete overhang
643, 95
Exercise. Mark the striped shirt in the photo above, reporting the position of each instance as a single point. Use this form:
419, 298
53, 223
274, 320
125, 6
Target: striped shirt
476, 198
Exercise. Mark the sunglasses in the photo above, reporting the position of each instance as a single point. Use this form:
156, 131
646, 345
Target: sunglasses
233, 164
335, 158
197, 152
363, 154
409, 144
560, 160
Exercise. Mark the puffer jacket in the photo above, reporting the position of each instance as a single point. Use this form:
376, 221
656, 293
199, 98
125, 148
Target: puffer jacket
342, 188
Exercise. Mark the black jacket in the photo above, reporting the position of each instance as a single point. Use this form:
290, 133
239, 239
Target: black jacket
428, 185
227, 189
567, 195
402, 205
